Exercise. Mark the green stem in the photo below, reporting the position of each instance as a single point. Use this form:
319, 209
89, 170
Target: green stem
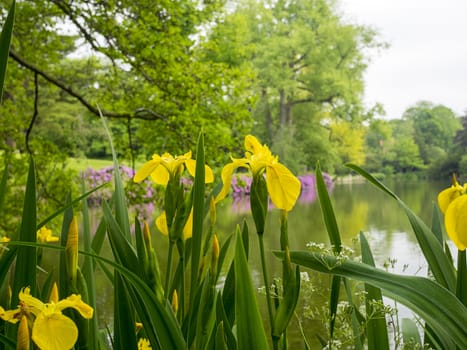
266, 283
168, 270
461, 288
181, 305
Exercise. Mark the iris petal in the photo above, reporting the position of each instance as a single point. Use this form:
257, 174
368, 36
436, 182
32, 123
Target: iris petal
147, 169
446, 196
252, 144
227, 172
161, 224
54, 332
74, 301
455, 220
191, 167
283, 186
188, 229
35, 305
160, 175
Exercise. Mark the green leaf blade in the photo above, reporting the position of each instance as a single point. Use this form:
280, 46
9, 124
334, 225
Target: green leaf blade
250, 329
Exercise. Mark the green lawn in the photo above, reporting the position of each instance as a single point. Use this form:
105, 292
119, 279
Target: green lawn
80, 164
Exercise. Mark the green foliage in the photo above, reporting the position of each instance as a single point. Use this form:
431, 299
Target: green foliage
307, 67
434, 129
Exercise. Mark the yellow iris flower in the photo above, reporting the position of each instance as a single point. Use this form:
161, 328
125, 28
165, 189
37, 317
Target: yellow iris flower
453, 203
161, 224
143, 344
44, 235
162, 168
283, 187
51, 329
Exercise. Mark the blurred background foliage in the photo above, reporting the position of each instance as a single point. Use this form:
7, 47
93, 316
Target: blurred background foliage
290, 72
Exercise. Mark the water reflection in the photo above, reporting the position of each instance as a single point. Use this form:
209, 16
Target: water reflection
358, 208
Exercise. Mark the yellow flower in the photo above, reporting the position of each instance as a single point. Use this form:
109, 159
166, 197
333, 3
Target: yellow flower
144, 344
162, 168
283, 187
453, 203
161, 224
44, 235
51, 329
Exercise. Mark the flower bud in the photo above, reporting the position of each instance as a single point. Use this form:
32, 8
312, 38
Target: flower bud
53, 297
259, 202
71, 251
23, 338
175, 301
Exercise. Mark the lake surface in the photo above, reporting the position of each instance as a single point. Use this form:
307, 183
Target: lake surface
359, 207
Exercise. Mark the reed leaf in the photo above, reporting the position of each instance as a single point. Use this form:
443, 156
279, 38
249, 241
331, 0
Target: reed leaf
198, 214
438, 306
5, 39
124, 317
250, 329
121, 209
89, 277
438, 262
26, 261
377, 332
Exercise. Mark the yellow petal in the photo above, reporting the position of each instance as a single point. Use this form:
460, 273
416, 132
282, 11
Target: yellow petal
191, 167
147, 168
188, 229
10, 315
227, 172
283, 186
160, 175
44, 235
252, 144
446, 196
161, 224
143, 344
74, 301
35, 305
54, 332
455, 220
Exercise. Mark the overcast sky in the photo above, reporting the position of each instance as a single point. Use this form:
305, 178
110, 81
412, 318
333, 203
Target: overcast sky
427, 57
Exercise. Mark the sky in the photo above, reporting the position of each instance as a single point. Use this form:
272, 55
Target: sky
427, 54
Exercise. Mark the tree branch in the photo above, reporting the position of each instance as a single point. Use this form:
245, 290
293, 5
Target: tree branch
140, 113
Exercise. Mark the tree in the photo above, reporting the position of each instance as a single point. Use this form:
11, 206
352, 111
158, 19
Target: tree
435, 127
404, 150
378, 141
145, 71
300, 53
349, 142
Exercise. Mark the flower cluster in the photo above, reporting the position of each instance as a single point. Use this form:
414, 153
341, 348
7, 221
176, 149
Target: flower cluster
142, 199
241, 188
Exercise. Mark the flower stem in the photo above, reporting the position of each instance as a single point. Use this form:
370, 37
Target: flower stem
168, 270
266, 283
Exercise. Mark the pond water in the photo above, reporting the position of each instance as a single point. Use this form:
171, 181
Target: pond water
359, 207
